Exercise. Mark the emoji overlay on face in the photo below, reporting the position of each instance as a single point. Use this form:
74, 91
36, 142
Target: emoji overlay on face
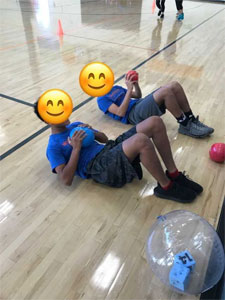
55, 106
96, 79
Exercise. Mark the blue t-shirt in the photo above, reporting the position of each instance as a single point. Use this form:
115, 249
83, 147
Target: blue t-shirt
116, 96
59, 151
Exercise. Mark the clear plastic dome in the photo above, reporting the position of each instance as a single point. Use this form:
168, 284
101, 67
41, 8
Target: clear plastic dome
179, 231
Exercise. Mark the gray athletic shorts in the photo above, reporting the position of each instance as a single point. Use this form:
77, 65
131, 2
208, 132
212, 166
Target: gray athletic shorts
145, 108
111, 166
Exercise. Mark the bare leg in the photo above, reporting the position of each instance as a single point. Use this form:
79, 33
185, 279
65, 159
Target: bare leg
165, 95
140, 144
174, 98
180, 95
154, 128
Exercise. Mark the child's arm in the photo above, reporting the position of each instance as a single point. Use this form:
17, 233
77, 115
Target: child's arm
122, 109
137, 91
66, 172
99, 136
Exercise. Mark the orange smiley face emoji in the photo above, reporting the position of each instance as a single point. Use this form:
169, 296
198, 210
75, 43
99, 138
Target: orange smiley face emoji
96, 79
55, 106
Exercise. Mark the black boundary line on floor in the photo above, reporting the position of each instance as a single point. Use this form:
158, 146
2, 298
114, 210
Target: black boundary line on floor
19, 145
17, 100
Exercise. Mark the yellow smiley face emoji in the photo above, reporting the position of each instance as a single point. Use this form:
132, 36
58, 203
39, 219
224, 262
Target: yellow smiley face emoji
55, 106
96, 79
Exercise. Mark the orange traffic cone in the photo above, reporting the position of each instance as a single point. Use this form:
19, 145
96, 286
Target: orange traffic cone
153, 6
60, 30
60, 41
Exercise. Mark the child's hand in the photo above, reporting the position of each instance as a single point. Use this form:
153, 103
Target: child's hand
129, 83
132, 77
130, 80
88, 126
85, 125
77, 138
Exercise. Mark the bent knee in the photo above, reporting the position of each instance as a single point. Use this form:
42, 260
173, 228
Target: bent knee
175, 85
141, 140
157, 124
167, 90
156, 121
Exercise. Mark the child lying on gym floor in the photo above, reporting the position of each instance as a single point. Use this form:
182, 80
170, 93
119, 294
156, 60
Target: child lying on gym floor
117, 162
127, 106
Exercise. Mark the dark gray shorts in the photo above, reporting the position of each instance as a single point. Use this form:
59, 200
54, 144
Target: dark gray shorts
145, 108
111, 166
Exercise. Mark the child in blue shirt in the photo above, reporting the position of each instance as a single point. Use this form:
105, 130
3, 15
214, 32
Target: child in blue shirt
117, 162
116, 96
59, 150
127, 106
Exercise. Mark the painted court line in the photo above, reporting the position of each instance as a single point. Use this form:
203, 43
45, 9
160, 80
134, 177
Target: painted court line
107, 42
9, 47
16, 100
19, 145
99, 14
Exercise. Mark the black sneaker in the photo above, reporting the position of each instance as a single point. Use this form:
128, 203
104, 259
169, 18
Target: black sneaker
176, 192
184, 181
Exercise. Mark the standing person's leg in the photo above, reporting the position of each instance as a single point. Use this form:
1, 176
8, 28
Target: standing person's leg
162, 8
158, 4
179, 5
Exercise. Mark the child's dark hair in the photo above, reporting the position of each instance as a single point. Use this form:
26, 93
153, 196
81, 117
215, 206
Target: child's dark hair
37, 112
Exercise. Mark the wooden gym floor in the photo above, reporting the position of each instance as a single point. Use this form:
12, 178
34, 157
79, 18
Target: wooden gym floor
88, 241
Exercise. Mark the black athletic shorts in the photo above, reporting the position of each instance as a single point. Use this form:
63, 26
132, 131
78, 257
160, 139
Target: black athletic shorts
111, 166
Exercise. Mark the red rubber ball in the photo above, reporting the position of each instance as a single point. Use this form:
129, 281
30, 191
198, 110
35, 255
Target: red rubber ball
132, 72
217, 152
